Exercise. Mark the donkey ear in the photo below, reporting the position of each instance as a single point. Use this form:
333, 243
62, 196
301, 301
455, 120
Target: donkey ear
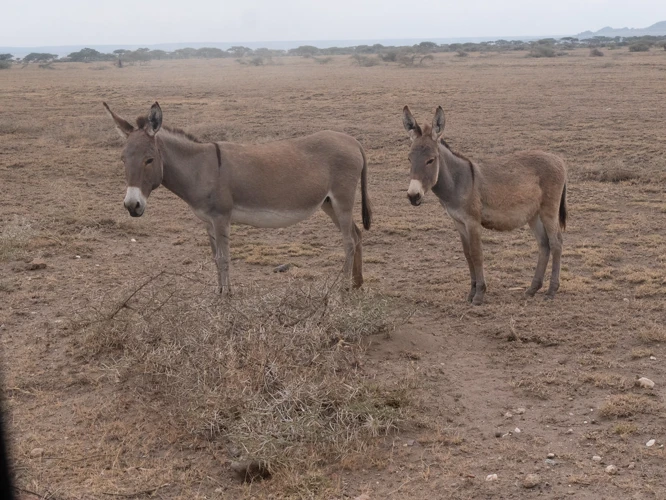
123, 127
155, 119
409, 122
438, 123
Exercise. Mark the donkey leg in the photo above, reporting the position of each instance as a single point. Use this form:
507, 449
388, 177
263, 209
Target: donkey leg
343, 221
555, 240
211, 237
222, 229
465, 243
544, 253
357, 269
476, 253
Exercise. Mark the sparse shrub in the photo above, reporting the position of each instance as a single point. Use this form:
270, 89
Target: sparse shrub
47, 65
241, 61
542, 51
256, 61
323, 60
5, 64
639, 47
462, 53
428, 57
365, 61
390, 56
596, 53
407, 60
272, 372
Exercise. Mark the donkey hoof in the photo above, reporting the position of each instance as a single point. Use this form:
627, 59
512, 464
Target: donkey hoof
531, 292
549, 296
477, 301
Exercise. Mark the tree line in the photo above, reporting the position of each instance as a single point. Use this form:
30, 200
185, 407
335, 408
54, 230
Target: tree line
385, 53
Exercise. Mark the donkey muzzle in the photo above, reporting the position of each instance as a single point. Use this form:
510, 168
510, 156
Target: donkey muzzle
415, 192
135, 202
415, 199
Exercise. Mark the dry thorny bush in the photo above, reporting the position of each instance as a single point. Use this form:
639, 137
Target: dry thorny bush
277, 374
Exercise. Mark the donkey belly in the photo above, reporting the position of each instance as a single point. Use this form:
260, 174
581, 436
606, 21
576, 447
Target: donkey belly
506, 220
269, 217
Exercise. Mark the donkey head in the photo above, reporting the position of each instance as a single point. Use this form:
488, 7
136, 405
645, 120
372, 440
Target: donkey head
424, 153
142, 159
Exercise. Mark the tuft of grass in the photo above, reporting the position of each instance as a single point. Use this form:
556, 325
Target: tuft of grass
14, 239
272, 373
625, 428
323, 60
627, 405
613, 175
596, 53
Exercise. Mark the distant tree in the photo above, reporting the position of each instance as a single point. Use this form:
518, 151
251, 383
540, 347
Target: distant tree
426, 46
210, 52
6, 57
158, 54
239, 51
185, 53
39, 57
89, 55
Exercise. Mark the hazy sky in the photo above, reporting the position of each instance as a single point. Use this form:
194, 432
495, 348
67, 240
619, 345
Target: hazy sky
74, 22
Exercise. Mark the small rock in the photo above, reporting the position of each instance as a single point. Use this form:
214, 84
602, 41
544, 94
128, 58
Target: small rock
645, 383
520, 411
498, 434
516, 430
612, 470
251, 470
364, 496
282, 268
650, 443
653, 358
531, 480
37, 264
491, 477
596, 458
550, 461
569, 431
133, 240
410, 442
508, 414
36, 452
632, 465
77, 256
551, 455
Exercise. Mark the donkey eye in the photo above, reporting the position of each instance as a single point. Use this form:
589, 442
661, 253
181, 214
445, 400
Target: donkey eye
430, 161
149, 161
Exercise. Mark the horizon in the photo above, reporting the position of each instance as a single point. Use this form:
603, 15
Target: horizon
77, 23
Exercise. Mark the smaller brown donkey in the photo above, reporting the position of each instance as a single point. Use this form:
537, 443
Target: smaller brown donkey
276, 184
528, 187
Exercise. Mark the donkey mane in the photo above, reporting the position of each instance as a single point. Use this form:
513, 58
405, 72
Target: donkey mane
459, 155
143, 121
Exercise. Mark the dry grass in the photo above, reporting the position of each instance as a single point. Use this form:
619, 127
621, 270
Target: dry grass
14, 238
628, 405
275, 375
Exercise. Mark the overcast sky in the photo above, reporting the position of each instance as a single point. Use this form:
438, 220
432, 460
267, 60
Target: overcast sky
76, 22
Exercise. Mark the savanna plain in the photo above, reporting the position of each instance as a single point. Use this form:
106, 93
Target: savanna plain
126, 376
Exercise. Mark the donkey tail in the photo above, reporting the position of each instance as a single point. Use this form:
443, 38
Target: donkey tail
563, 208
365, 202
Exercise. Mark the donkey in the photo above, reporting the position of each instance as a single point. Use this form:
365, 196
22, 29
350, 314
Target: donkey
525, 187
263, 185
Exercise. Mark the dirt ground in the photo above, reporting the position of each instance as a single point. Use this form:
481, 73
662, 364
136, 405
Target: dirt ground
495, 389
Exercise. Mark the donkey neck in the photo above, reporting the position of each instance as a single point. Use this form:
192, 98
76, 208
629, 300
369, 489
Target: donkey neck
183, 161
455, 176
